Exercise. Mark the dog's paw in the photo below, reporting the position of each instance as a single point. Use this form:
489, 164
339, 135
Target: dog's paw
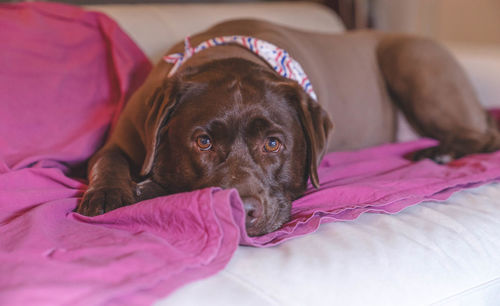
149, 189
97, 201
437, 154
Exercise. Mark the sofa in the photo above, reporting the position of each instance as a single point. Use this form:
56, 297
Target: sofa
437, 252
434, 253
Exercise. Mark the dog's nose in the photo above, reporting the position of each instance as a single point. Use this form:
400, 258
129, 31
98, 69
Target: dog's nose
253, 209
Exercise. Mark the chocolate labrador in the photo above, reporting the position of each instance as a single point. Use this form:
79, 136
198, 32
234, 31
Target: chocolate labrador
249, 105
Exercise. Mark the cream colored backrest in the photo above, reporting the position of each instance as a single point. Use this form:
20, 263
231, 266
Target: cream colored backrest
156, 27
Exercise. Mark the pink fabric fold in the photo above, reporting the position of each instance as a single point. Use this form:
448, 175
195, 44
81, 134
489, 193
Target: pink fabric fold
132, 256
143, 252
379, 180
65, 75
68, 73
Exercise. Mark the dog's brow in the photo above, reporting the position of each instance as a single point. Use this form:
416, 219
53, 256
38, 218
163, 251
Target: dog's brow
235, 85
261, 125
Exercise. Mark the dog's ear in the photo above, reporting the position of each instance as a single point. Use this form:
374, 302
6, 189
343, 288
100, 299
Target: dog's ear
161, 103
317, 126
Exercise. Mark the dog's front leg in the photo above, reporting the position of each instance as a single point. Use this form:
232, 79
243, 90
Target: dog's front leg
110, 183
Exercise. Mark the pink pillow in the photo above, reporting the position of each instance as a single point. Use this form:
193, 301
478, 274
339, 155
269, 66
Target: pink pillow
66, 74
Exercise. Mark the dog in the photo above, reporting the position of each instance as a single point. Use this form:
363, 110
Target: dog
224, 115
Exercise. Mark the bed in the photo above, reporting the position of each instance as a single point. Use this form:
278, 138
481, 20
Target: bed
439, 252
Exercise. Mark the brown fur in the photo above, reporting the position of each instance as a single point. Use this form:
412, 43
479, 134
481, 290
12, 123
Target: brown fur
227, 92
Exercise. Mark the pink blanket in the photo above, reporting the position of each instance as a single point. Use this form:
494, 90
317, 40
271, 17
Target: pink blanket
68, 74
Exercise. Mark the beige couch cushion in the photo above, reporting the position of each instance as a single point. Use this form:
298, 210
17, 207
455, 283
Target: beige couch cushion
156, 27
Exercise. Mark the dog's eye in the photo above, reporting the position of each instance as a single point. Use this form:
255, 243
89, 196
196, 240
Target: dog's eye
204, 142
272, 145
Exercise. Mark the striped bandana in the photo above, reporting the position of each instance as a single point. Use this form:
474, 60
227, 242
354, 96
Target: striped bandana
276, 57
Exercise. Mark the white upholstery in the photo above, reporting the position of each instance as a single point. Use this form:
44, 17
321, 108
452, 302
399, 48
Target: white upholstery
156, 27
482, 63
444, 253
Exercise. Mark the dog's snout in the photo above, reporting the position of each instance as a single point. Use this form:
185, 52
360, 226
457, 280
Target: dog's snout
254, 210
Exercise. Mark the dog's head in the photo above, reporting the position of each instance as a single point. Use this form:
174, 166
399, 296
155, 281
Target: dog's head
234, 124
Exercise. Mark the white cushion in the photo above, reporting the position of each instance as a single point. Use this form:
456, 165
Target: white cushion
446, 253
482, 64
156, 27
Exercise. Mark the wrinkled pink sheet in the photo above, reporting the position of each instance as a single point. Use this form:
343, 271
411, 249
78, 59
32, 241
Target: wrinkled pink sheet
64, 75
142, 252
136, 254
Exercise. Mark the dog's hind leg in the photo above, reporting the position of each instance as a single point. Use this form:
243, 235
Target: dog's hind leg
433, 92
